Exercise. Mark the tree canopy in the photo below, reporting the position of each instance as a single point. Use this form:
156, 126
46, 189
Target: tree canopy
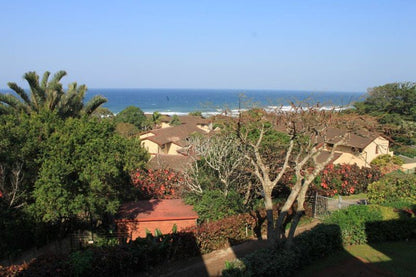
133, 115
50, 95
84, 167
391, 102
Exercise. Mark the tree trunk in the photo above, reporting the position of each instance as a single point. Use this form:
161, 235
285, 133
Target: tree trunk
280, 228
300, 211
269, 215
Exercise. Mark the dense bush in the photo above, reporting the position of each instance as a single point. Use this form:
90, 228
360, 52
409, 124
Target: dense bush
357, 224
395, 187
391, 230
223, 233
158, 183
352, 222
386, 159
279, 261
345, 179
214, 205
143, 253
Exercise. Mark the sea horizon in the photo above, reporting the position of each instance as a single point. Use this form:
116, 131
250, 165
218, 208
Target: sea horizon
214, 101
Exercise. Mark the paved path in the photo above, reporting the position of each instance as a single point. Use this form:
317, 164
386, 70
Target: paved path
213, 263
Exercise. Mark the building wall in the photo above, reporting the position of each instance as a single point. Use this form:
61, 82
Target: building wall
137, 229
151, 147
146, 135
348, 158
172, 149
379, 146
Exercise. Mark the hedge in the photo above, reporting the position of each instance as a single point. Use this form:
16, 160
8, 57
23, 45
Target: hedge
368, 224
394, 187
142, 254
278, 261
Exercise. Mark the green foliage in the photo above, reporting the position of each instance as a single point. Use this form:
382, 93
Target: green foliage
384, 160
214, 205
280, 261
84, 167
391, 230
49, 95
405, 150
80, 261
196, 113
175, 121
133, 115
394, 187
352, 222
391, 102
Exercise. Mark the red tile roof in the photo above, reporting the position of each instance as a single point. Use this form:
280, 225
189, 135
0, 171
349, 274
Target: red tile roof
156, 210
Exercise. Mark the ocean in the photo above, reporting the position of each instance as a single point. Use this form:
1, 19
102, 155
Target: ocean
213, 101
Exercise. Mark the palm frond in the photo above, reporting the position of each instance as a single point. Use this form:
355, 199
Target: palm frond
58, 76
44, 81
12, 103
38, 95
93, 104
21, 92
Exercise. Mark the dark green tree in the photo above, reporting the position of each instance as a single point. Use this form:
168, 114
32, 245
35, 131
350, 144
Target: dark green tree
133, 115
391, 102
85, 172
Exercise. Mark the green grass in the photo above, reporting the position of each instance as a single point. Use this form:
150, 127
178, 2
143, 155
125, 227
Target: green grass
361, 195
396, 257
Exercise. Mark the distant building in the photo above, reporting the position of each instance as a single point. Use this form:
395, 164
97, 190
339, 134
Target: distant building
168, 145
359, 148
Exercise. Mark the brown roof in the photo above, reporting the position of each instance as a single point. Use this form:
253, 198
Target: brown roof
177, 134
195, 120
165, 161
324, 155
156, 210
358, 139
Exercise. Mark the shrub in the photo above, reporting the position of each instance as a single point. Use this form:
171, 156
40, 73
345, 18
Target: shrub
352, 222
345, 179
391, 230
386, 159
395, 187
214, 205
279, 261
159, 183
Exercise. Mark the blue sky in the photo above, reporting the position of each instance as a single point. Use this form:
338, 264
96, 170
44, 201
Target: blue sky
298, 45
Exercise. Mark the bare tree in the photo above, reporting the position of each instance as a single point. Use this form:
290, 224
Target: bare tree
222, 154
11, 185
306, 127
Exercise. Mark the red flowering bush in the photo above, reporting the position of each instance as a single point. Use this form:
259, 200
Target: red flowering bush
345, 179
159, 183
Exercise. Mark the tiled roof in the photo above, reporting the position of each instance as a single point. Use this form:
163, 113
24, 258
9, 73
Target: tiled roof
177, 134
156, 210
358, 139
324, 155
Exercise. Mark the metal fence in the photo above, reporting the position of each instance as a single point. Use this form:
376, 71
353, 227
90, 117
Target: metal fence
323, 206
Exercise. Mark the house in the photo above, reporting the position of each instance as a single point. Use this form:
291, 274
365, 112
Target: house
359, 148
137, 218
171, 140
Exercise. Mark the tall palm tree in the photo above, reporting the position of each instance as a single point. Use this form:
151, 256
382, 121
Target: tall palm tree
49, 95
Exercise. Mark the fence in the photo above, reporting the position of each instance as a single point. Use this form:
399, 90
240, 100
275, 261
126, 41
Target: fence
323, 206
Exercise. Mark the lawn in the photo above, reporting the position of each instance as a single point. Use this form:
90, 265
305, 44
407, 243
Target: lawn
397, 258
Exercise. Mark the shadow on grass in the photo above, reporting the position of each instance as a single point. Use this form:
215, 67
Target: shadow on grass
320, 252
390, 251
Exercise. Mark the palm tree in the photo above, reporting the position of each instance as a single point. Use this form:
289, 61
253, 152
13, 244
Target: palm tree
49, 95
